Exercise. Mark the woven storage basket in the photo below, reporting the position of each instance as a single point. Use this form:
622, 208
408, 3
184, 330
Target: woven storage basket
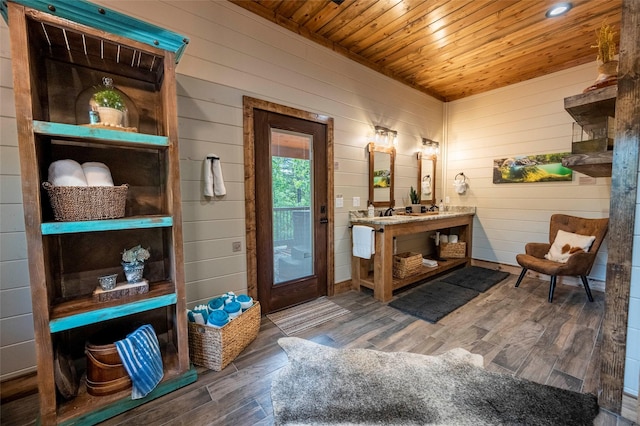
406, 264
71, 203
215, 348
453, 250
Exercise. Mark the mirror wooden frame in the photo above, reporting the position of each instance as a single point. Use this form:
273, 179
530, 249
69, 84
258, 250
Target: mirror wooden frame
433, 158
392, 153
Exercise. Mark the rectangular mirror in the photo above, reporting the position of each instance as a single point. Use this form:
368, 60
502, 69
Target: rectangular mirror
381, 178
427, 178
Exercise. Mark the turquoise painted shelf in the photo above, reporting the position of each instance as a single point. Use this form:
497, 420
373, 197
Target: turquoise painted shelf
111, 312
108, 20
97, 134
56, 228
122, 401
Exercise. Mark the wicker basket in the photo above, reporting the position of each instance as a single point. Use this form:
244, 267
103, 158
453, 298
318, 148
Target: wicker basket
72, 203
215, 348
453, 250
406, 264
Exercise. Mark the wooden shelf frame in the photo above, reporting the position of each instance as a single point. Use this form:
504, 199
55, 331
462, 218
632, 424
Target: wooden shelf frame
47, 42
587, 108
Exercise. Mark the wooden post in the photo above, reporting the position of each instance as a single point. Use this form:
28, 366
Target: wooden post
624, 182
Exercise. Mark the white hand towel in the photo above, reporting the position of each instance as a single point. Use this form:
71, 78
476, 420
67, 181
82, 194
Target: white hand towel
213, 180
364, 241
429, 263
66, 173
97, 174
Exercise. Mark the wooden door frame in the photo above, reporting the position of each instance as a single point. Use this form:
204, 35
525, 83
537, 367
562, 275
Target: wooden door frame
248, 105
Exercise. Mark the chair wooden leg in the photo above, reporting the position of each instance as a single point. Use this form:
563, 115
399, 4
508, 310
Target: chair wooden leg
585, 283
522, 274
552, 287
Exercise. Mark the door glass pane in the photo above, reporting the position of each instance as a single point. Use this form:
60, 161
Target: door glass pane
292, 189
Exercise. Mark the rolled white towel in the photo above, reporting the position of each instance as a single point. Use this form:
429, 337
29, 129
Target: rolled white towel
97, 174
66, 173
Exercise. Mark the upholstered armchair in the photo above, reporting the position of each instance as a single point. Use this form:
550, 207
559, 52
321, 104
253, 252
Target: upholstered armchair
566, 257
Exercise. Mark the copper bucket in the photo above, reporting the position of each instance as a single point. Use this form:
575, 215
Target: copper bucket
105, 372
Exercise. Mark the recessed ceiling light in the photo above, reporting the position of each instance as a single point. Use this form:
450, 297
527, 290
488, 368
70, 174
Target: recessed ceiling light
558, 9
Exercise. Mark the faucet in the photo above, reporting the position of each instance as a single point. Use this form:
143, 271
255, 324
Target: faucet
389, 211
433, 208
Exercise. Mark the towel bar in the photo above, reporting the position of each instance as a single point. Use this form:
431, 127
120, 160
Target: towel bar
378, 230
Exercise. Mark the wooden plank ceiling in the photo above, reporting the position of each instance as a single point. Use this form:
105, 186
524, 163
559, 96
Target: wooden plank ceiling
449, 49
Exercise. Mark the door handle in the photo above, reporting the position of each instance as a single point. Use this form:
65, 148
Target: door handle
324, 220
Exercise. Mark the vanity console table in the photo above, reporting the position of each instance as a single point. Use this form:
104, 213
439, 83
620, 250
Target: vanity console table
381, 280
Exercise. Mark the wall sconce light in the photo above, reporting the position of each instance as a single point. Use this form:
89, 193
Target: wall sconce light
430, 147
384, 136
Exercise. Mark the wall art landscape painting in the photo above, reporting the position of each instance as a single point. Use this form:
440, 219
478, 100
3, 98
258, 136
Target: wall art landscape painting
531, 168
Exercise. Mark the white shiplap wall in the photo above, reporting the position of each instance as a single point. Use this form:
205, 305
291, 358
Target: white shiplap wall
521, 119
232, 53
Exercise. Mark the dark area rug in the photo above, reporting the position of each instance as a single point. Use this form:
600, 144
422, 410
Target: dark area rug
322, 386
433, 300
476, 278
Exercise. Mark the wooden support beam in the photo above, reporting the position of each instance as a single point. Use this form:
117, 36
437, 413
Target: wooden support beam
624, 182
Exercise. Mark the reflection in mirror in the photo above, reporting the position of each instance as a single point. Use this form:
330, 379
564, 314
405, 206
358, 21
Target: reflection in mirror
427, 178
381, 178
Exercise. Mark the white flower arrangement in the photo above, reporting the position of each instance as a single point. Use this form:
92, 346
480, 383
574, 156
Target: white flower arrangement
135, 255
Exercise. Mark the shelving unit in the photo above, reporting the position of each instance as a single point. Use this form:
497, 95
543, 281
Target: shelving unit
587, 108
60, 50
381, 279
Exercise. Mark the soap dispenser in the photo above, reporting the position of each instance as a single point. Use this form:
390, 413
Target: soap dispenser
370, 210
441, 207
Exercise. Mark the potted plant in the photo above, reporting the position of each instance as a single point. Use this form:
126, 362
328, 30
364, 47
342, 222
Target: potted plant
109, 104
133, 263
415, 200
607, 64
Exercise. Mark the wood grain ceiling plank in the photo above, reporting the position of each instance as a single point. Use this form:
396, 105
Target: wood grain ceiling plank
288, 8
533, 63
444, 47
269, 4
470, 34
370, 18
519, 45
518, 37
328, 13
346, 15
414, 30
399, 17
422, 48
310, 9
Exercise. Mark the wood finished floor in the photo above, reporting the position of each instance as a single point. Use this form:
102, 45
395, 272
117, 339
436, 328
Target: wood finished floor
516, 330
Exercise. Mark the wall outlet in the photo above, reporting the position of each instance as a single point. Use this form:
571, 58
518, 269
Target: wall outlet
447, 199
236, 246
356, 201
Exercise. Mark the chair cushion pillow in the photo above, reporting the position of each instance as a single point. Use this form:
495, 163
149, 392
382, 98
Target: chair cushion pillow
567, 243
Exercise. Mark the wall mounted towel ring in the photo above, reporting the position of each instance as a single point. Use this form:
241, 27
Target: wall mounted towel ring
460, 183
426, 185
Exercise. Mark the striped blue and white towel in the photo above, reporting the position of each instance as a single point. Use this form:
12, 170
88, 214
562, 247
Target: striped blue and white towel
140, 354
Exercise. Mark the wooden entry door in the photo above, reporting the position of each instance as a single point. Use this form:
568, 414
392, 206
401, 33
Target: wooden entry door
291, 209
